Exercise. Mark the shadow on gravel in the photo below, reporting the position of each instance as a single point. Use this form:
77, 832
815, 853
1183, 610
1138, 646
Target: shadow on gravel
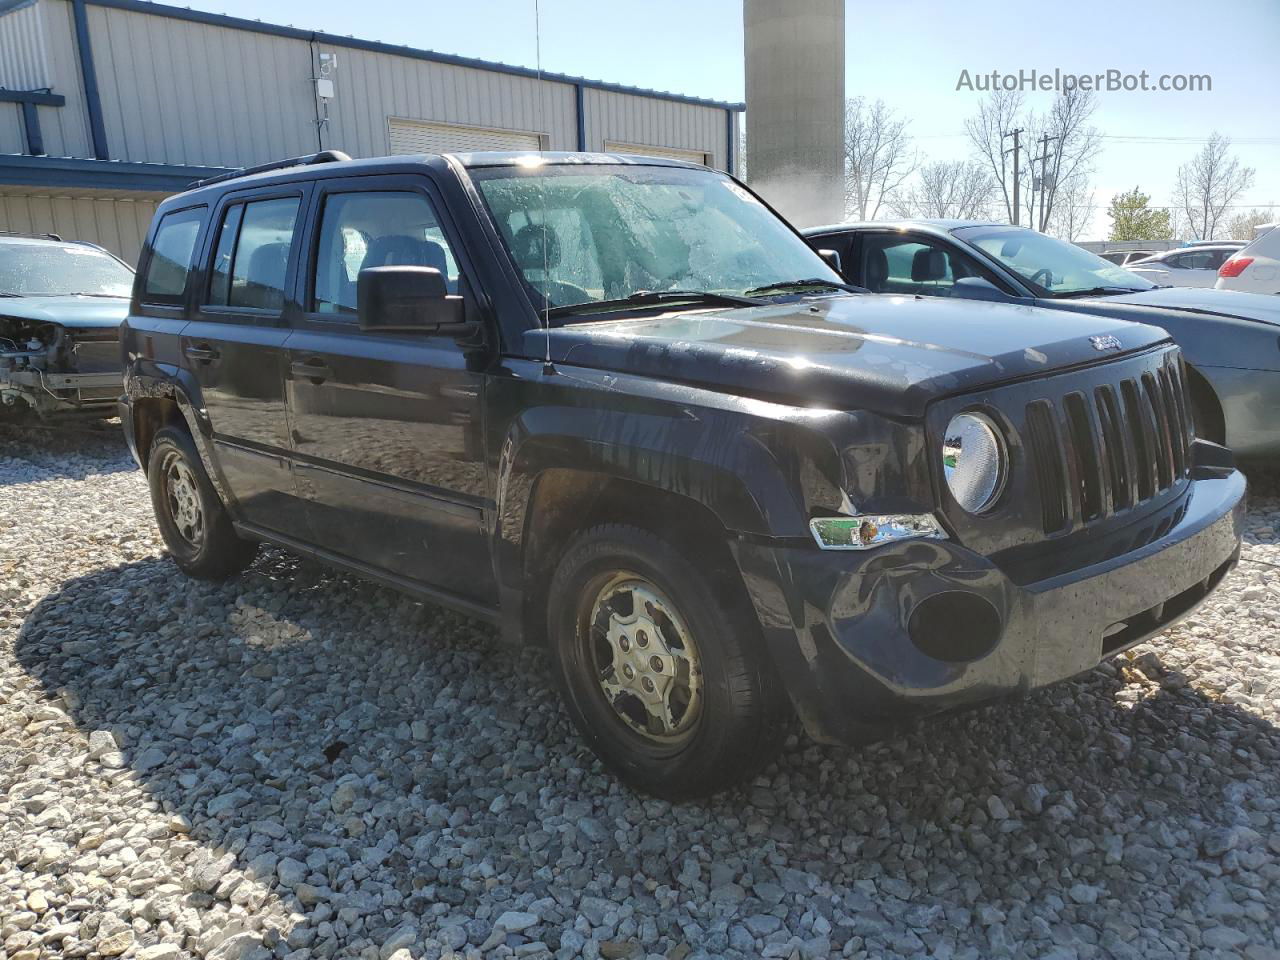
354, 748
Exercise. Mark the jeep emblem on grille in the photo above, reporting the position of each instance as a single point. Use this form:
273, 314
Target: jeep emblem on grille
1107, 342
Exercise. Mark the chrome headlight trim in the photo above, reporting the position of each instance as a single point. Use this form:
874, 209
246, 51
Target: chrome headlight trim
868, 532
975, 478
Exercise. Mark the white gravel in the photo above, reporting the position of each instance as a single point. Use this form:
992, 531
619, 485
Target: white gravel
297, 764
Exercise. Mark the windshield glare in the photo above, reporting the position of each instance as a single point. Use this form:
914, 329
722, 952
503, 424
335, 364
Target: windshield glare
1049, 265
581, 234
48, 270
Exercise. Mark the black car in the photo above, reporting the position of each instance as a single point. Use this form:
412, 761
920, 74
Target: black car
61, 303
618, 407
1229, 339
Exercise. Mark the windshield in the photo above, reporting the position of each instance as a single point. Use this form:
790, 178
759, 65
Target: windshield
1050, 266
605, 232
50, 270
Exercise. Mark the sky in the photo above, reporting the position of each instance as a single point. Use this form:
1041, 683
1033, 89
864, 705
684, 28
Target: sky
909, 54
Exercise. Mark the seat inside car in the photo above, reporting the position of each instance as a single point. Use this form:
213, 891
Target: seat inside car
398, 250
264, 287
877, 270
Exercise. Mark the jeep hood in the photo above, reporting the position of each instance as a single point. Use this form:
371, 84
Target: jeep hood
74, 313
888, 354
1265, 308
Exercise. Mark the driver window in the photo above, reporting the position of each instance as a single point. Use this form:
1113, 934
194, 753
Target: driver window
375, 229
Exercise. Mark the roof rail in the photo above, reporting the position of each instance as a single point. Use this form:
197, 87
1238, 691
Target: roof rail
324, 156
30, 236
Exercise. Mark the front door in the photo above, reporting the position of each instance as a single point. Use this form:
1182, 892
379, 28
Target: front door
234, 347
387, 427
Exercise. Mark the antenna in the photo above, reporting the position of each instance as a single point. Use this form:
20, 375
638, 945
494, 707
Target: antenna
547, 367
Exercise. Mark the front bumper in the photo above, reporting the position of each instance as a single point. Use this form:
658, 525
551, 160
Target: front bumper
839, 625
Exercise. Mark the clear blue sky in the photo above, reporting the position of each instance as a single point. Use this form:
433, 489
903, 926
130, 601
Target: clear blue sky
909, 54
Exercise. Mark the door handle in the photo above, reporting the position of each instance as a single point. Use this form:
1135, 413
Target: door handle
202, 352
314, 370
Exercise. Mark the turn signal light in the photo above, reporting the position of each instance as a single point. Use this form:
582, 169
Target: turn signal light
1234, 267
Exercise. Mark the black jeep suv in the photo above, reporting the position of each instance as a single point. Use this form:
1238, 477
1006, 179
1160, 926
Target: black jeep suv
618, 407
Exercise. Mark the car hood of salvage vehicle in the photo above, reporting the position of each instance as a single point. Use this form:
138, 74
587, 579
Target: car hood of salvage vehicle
892, 355
72, 312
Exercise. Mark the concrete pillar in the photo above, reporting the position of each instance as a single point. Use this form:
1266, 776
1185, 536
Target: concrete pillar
795, 106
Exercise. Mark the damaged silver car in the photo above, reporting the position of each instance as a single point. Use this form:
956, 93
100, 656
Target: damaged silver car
61, 303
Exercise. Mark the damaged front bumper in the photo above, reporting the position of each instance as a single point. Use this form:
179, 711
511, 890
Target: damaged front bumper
921, 626
47, 393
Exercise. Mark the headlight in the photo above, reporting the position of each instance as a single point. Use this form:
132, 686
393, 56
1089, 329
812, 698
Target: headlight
974, 461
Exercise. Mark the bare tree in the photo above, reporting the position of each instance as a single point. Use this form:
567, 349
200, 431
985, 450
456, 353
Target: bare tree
1208, 184
997, 115
1072, 146
1072, 208
1069, 152
957, 189
878, 156
1241, 226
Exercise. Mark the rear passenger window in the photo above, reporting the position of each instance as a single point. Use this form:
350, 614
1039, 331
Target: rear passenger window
171, 255
251, 257
375, 229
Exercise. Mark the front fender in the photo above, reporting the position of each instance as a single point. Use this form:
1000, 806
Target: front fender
762, 468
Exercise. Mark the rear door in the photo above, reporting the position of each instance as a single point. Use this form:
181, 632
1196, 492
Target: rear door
234, 346
387, 427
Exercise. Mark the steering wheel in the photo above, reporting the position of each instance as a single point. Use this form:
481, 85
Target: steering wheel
1047, 274
558, 292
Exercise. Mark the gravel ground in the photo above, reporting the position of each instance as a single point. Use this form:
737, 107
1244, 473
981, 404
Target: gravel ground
296, 764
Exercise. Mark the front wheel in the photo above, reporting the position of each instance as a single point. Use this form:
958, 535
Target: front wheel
193, 522
661, 666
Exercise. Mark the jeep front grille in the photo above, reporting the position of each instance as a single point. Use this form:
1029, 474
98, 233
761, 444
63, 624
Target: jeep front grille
1099, 451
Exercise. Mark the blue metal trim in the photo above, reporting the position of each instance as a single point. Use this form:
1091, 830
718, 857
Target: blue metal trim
100, 174
92, 99
373, 46
728, 142
31, 123
580, 109
44, 97
8, 6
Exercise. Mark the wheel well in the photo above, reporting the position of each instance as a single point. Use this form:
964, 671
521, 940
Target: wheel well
150, 414
1205, 406
565, 501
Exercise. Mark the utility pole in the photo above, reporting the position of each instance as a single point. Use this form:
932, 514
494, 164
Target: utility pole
1044, 162
1015, 133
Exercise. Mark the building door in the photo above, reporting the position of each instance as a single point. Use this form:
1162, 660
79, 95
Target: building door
418, 136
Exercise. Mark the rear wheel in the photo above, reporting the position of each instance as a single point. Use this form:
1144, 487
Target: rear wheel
193, 522
660, 666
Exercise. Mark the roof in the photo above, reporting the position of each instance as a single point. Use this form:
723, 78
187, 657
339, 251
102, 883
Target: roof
406, 163
938, 224
374, 46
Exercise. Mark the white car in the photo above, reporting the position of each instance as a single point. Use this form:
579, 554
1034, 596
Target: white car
1195, 266
1256, 268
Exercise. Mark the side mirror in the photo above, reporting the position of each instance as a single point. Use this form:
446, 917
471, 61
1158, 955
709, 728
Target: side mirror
978, 288
832, 258
407, 300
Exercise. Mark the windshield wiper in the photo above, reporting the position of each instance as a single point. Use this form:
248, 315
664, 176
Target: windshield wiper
646, 298
1094, 292
809, 284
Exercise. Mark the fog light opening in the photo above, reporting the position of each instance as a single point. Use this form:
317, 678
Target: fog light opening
955, 626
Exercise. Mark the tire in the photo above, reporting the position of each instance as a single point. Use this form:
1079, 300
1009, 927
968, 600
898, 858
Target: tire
193, 522
715, 714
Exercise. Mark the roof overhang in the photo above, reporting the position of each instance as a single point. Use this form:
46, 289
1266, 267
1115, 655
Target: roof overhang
77, 172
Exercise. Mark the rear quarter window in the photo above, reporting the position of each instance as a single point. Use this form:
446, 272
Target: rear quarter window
172, 253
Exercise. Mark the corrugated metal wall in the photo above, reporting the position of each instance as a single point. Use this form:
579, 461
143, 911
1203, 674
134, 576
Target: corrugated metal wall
117, 224
22, 56
630, 118
371, 87
179, 92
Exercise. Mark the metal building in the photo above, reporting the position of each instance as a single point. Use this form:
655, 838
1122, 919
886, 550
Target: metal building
107, 106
